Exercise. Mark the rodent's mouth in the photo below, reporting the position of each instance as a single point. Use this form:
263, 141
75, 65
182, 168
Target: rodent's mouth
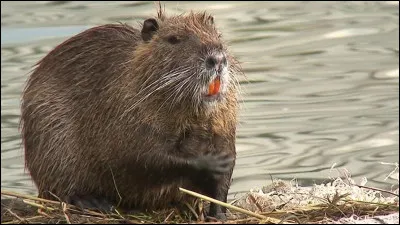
214, 86
211, 98
214, 90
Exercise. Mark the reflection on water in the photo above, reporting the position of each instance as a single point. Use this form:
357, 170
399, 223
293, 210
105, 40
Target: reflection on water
321, 87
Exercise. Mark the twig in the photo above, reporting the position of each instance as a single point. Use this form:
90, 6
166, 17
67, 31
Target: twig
377, 189
38, 205
255, 202
93, 213
119, 214
166, 218
40, 211
11, 222
64, 209
28, 197
200, 207
394, 171
191, 209
372, 203
16, 216
14, 194
27, 219
116, 188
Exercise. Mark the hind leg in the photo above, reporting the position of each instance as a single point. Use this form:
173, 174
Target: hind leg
91, 202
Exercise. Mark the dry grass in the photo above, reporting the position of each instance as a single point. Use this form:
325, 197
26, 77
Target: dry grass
340, 201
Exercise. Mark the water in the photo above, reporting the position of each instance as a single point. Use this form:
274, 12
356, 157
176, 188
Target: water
322, 85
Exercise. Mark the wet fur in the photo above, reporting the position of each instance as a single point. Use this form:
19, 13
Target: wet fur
86, 134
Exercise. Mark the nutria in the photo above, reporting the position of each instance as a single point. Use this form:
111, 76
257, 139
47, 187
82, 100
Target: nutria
121, 116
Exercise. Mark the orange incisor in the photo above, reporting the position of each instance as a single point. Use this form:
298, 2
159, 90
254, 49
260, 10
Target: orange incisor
213, 88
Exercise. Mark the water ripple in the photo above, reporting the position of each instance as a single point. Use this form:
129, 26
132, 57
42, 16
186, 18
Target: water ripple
321, 85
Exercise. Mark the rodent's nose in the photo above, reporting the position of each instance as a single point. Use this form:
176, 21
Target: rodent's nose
216, 61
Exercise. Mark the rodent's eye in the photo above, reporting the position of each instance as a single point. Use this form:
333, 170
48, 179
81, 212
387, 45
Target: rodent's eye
173, 39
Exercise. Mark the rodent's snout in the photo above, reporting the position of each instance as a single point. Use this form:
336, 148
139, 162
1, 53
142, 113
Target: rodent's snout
216, 62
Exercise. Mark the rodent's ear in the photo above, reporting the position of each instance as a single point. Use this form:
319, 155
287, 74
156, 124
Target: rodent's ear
211, 19
150, 26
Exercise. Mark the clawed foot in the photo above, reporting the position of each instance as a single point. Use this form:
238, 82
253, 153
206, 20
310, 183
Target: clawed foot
89, 202
216, 164
216, 218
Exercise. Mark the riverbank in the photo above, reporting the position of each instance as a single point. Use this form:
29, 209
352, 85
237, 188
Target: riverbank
338, 201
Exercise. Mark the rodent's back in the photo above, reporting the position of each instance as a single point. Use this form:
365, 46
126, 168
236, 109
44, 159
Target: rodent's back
79, 62
72, 96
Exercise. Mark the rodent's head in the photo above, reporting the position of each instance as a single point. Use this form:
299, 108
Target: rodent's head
189, 62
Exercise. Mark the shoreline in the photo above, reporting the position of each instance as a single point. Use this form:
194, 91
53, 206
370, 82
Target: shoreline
340, 201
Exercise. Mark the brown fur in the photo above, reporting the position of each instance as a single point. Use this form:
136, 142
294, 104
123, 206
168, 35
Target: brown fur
89, 129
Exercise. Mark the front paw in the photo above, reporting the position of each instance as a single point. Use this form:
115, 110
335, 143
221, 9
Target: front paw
216, 164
